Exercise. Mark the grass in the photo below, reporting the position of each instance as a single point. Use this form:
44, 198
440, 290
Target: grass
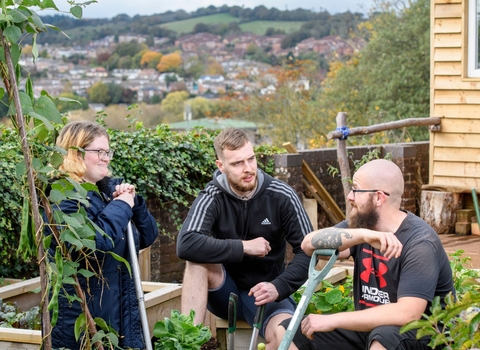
257, 27
187, 25
86, 33
260, 27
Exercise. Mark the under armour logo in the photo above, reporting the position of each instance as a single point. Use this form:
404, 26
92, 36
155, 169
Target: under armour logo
266, 222
369, 270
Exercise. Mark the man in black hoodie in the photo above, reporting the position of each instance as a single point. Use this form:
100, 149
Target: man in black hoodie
234, 240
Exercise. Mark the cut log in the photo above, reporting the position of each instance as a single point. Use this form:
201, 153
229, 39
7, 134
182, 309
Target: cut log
439, 209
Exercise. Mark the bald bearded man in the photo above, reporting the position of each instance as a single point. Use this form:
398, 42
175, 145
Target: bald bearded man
400, 265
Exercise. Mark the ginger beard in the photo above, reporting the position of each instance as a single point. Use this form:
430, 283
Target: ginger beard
241, 185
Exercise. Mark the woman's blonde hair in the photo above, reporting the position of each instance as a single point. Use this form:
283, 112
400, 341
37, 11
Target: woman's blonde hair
74, 137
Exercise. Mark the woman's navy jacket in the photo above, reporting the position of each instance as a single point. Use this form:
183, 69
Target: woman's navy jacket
111, 296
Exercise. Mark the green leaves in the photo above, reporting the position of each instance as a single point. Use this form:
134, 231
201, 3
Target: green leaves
456, 326
179, 332
329, 299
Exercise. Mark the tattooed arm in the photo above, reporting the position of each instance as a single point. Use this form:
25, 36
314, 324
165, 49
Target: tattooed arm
344, 238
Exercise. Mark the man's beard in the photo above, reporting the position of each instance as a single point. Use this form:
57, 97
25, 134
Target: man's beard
368, 219
239, 188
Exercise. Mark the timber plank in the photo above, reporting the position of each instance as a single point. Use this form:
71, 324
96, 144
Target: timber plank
457, 140
441, 54
456, 169
320, 201
458, 182
321, 191
447, 40
448, 25
447, 1
448, 10
19, 288
470, 126
456, 97
449, 153
20, 335
457, 111
455, 83
447, 68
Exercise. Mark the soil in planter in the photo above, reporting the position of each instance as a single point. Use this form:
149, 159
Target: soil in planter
210, 345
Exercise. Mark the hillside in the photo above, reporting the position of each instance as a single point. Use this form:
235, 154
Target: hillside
187, 25
222, 21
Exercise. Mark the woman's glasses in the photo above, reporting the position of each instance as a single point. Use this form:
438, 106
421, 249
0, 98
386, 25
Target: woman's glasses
102, 154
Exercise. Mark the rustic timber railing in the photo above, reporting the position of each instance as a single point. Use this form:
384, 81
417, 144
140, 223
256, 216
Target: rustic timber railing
342, 133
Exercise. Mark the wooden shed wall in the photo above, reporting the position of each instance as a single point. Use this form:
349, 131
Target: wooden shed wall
455, 151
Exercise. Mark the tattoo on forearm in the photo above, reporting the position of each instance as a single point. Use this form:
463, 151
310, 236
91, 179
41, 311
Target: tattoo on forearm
329, 238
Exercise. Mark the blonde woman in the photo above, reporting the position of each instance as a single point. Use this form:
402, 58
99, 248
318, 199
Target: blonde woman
112, 296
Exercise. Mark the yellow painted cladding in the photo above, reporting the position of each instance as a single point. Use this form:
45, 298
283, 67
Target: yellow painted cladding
455, 151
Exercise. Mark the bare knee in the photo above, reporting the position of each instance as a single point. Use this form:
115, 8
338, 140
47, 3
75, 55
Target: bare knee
274, 332
375, 345
211, 273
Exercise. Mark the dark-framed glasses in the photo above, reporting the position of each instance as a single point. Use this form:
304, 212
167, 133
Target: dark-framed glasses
355, 191
101, 153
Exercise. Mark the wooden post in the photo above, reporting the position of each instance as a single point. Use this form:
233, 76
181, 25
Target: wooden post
343, 161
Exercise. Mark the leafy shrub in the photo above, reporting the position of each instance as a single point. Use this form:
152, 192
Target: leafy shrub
330, 298
179, 332
457, 325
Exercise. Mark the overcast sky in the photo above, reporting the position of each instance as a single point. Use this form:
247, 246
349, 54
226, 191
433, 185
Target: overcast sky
111, 8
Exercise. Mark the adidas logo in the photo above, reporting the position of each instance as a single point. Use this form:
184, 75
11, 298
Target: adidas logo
266, 222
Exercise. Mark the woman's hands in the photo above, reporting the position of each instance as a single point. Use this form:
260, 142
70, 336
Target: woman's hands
126, 193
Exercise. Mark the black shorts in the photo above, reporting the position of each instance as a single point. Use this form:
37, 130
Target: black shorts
218, 304
341, 339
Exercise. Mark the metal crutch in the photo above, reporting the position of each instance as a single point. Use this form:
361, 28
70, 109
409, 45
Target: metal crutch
232, 320
257, 324
138, 286
314, 278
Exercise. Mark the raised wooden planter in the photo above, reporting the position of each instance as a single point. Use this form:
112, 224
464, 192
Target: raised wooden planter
160, 299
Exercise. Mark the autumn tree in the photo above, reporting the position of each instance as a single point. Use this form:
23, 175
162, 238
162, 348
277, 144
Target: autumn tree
202, 107
213, 67
285, 112
193, 67
150, 59
170, 63
173, 106
98, 93
129, 49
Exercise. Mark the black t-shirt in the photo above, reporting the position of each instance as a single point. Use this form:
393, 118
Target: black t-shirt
422, 270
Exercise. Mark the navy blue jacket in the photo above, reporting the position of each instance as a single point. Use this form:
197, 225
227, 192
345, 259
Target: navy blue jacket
112, 295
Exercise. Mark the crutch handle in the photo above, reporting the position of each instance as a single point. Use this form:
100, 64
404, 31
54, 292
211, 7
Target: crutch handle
314, 278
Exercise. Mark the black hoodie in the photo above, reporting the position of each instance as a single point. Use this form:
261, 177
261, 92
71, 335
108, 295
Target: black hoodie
218, 221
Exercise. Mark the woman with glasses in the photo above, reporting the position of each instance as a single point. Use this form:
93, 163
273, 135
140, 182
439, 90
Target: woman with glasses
111, 292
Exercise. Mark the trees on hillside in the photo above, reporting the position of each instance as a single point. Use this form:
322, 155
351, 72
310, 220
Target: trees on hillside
110, 94
389, 79
170, 63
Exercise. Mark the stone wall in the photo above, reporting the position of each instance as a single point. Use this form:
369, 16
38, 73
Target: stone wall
412, 158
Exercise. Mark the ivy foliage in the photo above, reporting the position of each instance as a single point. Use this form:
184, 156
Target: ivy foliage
160, 162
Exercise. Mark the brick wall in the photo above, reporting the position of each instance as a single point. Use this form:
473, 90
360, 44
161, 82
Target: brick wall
412, 158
